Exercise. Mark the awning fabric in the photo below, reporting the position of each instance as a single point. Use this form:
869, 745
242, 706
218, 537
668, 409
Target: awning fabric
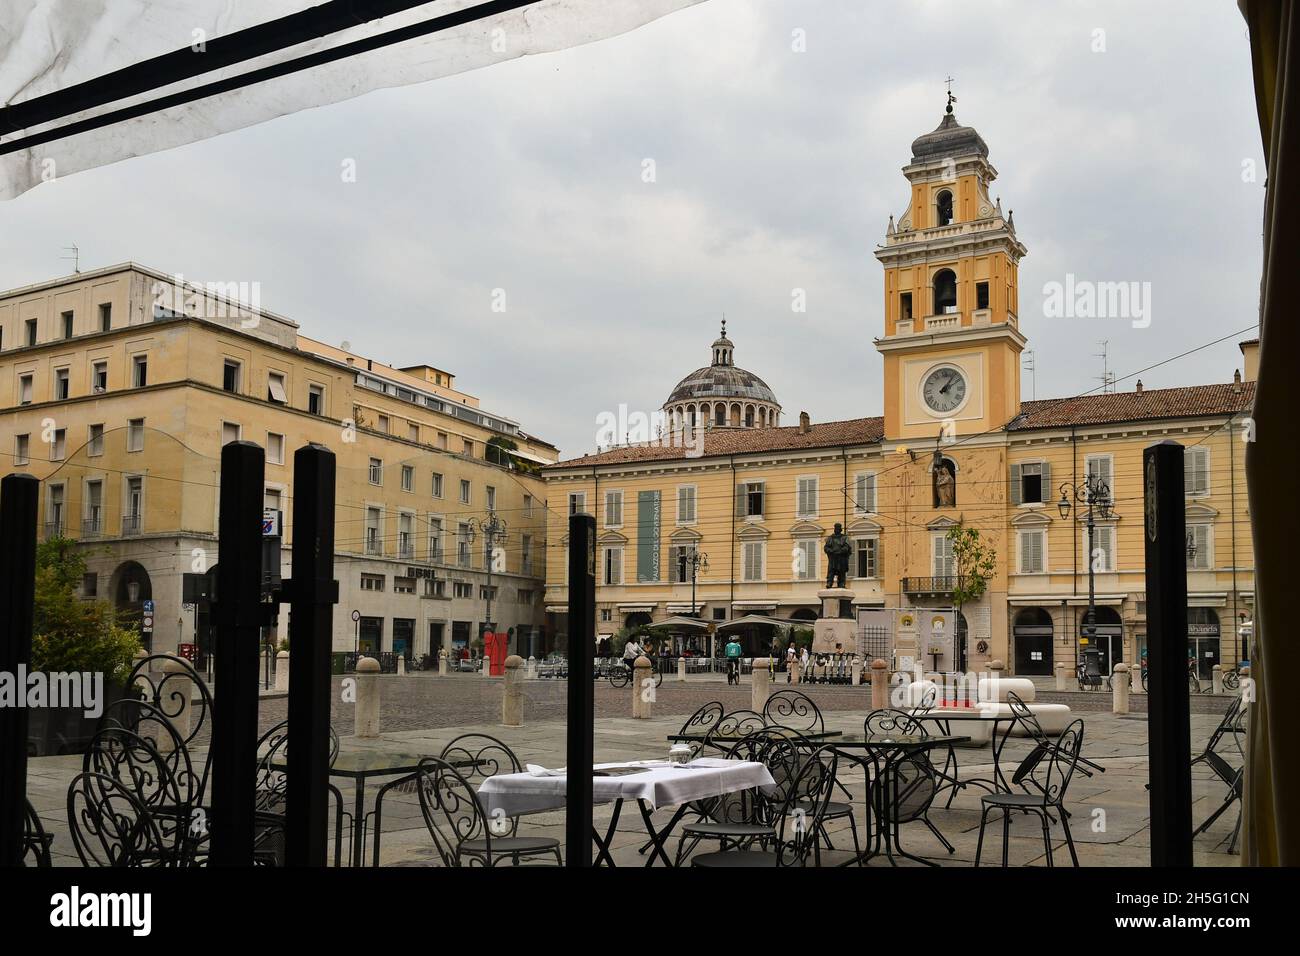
51, 46
1270, 833
759, 619
681, 622
528, 456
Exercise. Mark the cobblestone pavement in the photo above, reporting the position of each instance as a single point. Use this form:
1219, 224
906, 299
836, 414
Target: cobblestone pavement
424, 701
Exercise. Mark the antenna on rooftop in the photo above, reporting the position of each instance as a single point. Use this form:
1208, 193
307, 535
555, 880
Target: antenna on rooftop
75, 257
1107, 376
1028, 366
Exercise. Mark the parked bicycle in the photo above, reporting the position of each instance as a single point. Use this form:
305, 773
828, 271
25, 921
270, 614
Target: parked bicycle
1232, 676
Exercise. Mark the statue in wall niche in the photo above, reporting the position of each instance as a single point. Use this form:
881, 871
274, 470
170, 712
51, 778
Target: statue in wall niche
944, 476
837, 548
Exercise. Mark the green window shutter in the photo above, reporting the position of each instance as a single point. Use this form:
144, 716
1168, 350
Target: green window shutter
1017, 489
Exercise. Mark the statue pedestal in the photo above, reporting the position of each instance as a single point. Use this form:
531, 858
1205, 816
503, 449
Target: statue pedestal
835, 632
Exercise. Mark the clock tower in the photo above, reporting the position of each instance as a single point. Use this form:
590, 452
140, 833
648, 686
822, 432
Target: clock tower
951, 341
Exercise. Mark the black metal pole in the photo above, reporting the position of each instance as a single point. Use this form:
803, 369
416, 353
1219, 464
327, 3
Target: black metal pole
313, 592
239, 614
18, 497
582, 708
1169, 706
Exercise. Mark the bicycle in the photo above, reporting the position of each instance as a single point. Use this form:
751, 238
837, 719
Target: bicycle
1193, 682
620, 675
1232, 676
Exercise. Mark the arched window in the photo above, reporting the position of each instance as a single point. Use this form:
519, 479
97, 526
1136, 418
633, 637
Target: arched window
735, 416
720, 414
749, 416
945, 292
943, 208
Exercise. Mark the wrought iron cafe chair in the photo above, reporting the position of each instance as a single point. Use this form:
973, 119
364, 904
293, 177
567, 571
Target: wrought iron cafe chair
795, 822
745, 817
460, 830
1054, 772
1233, 726
271, 788
36, 841
913, 779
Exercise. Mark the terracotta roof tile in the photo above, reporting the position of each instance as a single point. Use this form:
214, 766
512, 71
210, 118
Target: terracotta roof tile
1150, 404
729, 441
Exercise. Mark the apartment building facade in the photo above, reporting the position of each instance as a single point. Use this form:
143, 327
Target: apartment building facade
118, 388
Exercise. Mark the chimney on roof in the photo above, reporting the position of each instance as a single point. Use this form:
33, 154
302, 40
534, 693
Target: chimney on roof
1250, 359
1236, 381
805, 423
1139, 386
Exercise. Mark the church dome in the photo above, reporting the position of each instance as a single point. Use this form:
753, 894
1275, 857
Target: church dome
949, 138
719, 381
723, 394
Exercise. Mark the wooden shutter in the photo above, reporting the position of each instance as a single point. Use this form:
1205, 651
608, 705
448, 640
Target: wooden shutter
864, 494
1045, 483
1017, 485
1196, 474
1201, 539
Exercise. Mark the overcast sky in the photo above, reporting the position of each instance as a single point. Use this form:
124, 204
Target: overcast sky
774, 170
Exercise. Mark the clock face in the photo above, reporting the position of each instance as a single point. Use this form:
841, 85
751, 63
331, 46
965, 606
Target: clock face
944, 389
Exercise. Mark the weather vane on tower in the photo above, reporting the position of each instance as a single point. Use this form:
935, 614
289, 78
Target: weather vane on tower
951, 99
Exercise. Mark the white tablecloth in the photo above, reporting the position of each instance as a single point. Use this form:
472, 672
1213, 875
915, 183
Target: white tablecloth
662, 785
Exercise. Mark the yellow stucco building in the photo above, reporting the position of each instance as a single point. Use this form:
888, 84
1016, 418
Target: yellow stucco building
955, 444
118, 388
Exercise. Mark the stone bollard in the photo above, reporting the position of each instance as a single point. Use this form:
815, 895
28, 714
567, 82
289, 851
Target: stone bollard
366, 711
1060, 676
1216, 679
484, 667
1119, 682
177, 692
643, 687
442, 662
512, 698
530, 668
792, 672
760, 684
681, 668
282, 672
1246, 687
879, 684
857, 671
401, 665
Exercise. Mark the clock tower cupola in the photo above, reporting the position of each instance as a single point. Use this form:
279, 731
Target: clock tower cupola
951, 341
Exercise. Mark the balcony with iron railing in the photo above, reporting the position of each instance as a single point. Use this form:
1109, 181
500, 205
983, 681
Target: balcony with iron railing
54, 529
131, 525
936, 585
374, 545
92, 526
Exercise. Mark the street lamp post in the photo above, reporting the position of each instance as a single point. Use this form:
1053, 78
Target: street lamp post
1095, 493
494, 532
697, 559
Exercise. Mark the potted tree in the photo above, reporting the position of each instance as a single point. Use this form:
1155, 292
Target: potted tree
73, 636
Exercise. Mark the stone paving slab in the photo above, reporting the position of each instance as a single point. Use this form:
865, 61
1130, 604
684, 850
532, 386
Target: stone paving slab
1109, 811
